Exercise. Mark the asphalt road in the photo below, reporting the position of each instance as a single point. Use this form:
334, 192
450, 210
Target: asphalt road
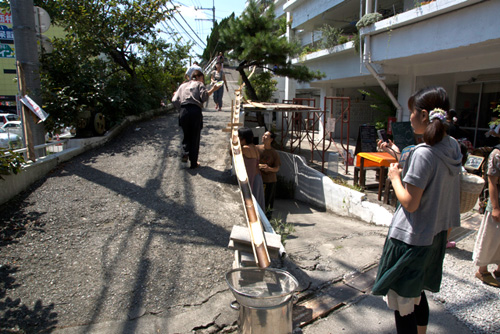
120, 232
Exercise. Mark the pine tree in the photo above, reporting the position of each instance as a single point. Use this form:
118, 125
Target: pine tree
255, 40
214, 44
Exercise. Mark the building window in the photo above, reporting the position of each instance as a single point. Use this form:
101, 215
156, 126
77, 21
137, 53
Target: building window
474, 105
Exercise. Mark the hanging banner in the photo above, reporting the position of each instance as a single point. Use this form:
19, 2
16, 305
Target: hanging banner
28, 102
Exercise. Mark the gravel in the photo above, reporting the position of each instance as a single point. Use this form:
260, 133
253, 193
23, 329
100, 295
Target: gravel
475, 304
120, 231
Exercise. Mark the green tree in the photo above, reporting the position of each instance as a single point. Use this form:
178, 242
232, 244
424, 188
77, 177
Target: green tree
214, 43
264, 85
111, 61
255, 39
110, 27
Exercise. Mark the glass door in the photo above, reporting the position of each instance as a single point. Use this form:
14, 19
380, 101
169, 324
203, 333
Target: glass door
475, 104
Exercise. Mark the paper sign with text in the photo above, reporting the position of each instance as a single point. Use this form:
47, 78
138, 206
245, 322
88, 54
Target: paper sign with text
28, 102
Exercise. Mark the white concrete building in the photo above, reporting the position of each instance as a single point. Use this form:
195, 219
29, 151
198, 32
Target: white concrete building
451, 43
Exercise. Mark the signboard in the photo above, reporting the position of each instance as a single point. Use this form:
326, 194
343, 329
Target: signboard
42, 20
390, 120
6, 33
6, 51
35, 108
403, 135
367, 139
330, 126
473, 162
6, 18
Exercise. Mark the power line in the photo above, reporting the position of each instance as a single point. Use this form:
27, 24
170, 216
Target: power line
187, 32
178, 26
192, 29
169, 30
180, 3
172, 33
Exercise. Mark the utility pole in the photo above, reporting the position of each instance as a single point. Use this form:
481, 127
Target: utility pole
213, 12
25, 43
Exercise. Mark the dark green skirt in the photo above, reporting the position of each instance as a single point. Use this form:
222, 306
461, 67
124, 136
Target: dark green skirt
408, 270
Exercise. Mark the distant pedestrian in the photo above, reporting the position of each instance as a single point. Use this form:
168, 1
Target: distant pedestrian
191, 69
220, 60
269, 166
189, 99
251, 158
428, 188
217, 76
487, 247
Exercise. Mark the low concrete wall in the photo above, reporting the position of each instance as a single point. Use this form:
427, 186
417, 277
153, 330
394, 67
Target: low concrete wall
13, 185
320, 191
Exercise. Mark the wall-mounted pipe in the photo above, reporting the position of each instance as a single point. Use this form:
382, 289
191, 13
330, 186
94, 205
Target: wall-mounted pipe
368, 64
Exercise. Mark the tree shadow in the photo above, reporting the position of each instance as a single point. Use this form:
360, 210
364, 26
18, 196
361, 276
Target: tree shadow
14, 221
14, 227
178, 225
16, 317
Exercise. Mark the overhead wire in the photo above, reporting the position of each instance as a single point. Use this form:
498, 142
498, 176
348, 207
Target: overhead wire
192, 29
176, 35
199, 25
182, 27
174, 32
171, 31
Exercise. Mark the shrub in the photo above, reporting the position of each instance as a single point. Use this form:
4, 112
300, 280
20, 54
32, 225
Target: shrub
282, 228
368, 19
331, 36
10, 162
264, 85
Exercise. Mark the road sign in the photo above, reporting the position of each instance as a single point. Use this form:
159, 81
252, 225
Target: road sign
42, 20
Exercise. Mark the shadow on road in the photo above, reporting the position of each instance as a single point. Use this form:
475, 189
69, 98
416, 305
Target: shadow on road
17, 317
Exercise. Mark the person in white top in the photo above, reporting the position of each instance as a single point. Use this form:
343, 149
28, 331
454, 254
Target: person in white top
191, 69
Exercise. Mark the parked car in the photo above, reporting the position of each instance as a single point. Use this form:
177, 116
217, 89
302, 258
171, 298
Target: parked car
10, 140
14, 127
6, 117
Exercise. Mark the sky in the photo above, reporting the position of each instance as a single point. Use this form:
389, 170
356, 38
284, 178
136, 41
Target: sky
192, 23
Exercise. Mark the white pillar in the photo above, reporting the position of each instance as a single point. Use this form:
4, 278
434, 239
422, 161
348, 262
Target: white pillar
406, 88
290, 88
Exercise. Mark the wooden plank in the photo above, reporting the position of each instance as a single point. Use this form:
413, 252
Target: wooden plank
242, 235
234, 124
321, 305
363, 281
227, 130
278, 107
234, 245
247, 260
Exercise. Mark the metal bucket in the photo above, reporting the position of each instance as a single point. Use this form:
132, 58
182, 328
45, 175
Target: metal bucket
264, 299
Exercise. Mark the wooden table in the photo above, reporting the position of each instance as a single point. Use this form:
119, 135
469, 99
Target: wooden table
379, 160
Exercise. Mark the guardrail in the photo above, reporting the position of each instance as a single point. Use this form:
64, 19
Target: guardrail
24, 150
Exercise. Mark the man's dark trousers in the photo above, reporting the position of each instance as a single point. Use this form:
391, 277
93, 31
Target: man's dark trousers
191, 121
